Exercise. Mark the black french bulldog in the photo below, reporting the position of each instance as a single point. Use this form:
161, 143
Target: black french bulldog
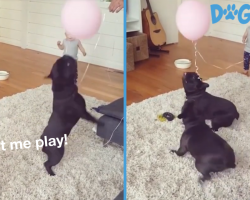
220, 111
68, 107
210, 151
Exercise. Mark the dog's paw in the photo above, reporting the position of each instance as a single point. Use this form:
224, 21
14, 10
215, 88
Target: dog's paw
173, 151
180, 116
52, 174
201, 180
215, 129
205, 178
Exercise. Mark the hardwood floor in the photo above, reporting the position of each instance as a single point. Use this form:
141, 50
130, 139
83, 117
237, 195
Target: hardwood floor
27, 70
156, 76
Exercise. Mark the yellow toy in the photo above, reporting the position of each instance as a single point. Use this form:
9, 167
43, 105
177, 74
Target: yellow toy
166, 117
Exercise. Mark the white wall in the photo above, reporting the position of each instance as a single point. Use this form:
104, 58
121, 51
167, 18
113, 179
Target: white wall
134, 18
11, 21
36, 25
166, 9
230, 30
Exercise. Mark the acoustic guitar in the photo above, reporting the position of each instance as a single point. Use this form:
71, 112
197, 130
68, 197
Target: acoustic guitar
153, 28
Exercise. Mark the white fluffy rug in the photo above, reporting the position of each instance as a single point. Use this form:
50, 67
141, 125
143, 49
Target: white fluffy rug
155, 174
87, 170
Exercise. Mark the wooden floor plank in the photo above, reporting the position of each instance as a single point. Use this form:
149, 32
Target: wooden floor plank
156, 76
28, 68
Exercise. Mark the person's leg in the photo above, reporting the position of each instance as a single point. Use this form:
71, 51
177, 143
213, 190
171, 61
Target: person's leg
246, 62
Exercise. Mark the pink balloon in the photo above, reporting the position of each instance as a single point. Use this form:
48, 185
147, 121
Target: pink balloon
81, 18
193, 19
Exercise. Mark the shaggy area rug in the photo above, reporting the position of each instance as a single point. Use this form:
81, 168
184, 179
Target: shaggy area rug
154, 173
87, 170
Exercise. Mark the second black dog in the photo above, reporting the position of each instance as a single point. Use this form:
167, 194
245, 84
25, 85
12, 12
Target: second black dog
211, 152
68, 107
220, 111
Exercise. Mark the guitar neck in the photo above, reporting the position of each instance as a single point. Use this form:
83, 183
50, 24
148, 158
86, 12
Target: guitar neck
149, 7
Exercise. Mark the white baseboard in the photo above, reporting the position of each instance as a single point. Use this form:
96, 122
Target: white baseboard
10, 41
87, 59
226, 36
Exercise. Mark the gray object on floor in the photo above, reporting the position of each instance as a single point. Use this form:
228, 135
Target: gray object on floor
113, 122
120, 196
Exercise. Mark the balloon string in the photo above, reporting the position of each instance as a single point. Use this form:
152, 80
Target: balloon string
89, 63
104, 15
197, 52
85, 72
234, 64
195, 59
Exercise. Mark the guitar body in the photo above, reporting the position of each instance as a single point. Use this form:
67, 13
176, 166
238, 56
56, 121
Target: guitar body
156, 31
153, 28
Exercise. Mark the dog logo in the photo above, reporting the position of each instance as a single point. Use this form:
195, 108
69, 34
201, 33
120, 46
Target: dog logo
230, 13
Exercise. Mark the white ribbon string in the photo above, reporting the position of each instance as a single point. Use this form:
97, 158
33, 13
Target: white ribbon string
113, 133
234, 64
197, 68
97, 42
195, 62
85, 72
88, 63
